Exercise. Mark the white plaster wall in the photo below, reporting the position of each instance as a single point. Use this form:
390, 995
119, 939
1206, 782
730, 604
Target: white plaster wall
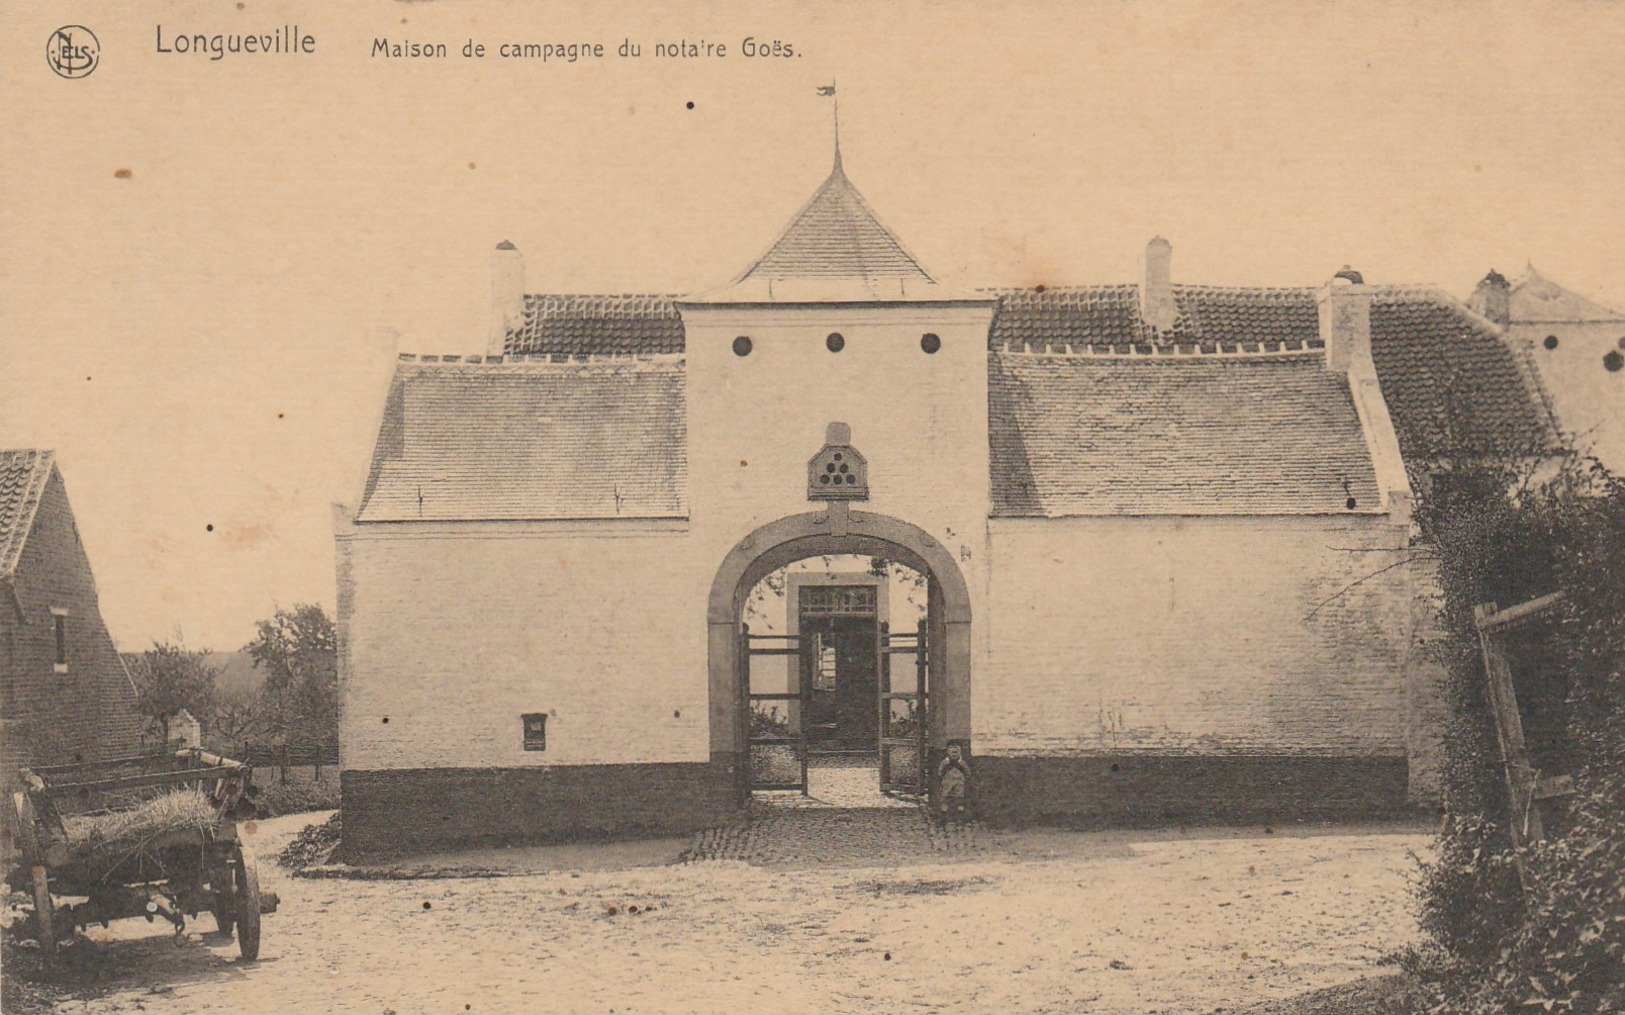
1588, 398
1173, 635
920, 420
453, 632
1092, 635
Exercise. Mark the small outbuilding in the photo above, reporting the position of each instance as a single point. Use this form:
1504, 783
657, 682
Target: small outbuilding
65, 695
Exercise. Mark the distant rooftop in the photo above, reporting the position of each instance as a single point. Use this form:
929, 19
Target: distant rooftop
23, 475
1538, 300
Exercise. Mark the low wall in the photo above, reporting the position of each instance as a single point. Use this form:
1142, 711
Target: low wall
401, 811
1138, 790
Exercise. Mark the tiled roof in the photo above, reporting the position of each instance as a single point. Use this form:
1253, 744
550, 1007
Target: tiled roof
1110, 315
1088, 435
1452, 384
23, 475
531, 441
598, 325
836, 234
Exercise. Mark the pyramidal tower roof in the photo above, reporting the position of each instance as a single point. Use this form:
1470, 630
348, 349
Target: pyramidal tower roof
834, 249
1538, 300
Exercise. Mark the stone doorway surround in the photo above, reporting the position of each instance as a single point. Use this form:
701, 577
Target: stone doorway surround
835, 531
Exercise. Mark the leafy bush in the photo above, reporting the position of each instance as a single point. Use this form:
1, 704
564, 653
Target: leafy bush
1472, 891
1556, 939
767, 721
298, 796
314, 844
1569, 952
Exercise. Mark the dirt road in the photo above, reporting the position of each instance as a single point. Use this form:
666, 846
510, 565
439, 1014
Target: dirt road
1037, 921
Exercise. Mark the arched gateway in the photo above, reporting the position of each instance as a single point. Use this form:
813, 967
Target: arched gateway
942, 646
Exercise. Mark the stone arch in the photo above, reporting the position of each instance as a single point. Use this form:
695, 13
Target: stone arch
833, 532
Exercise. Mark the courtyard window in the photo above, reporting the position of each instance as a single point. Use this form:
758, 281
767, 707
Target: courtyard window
59, 632
535, 730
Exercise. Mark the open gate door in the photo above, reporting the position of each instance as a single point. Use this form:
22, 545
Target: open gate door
777, 702
904, 710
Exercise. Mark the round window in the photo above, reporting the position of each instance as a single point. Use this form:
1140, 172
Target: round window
1551, 341
835, 343
930, 343
742, 345
1614, 361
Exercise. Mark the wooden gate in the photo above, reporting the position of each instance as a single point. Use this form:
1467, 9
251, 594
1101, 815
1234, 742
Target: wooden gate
904, 711
1534, 796
776, 703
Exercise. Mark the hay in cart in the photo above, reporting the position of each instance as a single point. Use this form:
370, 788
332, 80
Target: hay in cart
110, 837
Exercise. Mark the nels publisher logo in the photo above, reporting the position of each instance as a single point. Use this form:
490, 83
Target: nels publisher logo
73, 51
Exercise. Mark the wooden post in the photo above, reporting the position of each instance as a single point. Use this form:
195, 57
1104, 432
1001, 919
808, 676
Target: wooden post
1524, 816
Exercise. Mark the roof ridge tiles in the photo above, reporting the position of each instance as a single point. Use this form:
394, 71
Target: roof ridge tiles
546, 362
1117, 287
1272, 349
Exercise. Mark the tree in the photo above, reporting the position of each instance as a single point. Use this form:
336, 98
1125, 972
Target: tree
298, 651
170, 677
239, 717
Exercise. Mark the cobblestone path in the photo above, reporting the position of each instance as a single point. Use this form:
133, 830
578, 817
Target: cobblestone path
843, 821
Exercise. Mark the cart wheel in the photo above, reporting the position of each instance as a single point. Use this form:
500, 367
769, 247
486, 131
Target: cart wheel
220, 905
248, 905
44, 915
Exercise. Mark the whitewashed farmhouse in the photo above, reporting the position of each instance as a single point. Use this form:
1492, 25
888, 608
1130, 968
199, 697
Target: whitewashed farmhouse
1153, 523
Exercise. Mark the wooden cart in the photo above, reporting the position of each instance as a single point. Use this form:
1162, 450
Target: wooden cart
173, 874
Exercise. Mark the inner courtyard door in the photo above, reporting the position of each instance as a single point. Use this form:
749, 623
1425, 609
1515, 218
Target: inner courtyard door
840, 627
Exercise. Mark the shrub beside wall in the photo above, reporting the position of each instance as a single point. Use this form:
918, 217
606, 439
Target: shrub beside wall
1556, 940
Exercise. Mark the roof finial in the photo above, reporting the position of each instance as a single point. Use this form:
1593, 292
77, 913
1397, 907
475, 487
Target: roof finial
829, 90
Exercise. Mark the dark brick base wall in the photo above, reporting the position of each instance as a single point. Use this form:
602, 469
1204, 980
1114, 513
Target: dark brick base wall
1133, 790
412, 810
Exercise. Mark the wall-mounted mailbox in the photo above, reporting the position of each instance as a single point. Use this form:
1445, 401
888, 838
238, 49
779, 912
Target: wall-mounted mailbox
535, 730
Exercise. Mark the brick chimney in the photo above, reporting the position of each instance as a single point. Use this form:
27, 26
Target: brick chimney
1157, 307
1345, 322
507, 296
1493, 298
1345, 327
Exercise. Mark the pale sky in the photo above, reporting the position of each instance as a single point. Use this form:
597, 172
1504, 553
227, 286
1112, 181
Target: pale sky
198, 340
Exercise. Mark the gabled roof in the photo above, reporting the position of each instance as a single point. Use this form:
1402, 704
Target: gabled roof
1453, 384
531, 441
597, 325
1538, 300
1174, 435
23, 475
